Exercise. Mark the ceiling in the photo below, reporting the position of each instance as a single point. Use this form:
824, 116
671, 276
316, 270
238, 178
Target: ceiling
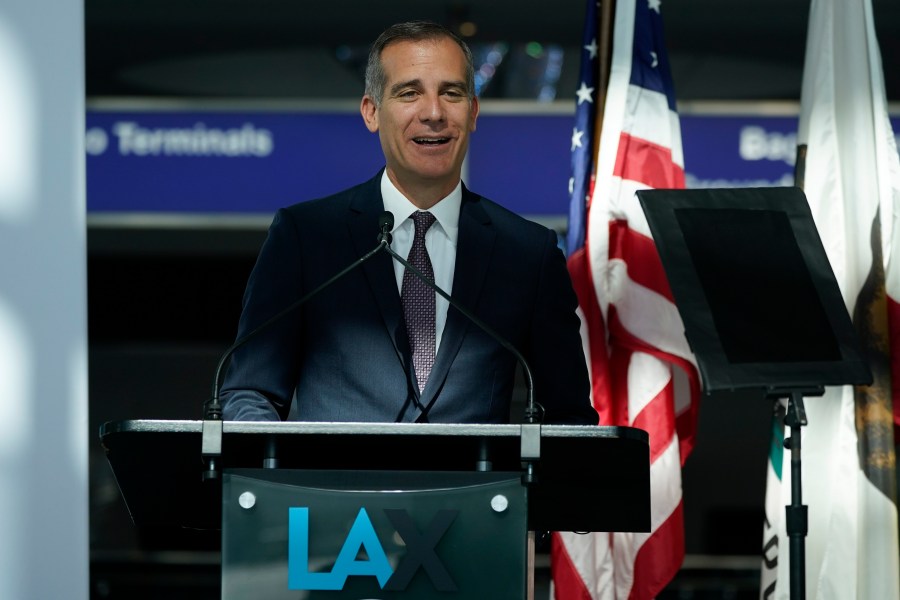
719, 49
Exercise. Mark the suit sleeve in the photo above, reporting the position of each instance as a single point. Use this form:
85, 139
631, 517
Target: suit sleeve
562, 385
262, 374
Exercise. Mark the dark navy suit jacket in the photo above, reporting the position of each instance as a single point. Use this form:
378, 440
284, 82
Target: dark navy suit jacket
344, 355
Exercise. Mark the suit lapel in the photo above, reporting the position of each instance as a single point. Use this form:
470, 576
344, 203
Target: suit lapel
362, 221
473, 256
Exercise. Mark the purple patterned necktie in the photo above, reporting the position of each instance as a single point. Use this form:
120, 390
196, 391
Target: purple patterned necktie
418, 301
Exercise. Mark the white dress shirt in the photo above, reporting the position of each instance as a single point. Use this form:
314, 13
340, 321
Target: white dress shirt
440, 241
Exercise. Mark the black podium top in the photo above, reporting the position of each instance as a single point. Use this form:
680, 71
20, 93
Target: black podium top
589, 478
761, 306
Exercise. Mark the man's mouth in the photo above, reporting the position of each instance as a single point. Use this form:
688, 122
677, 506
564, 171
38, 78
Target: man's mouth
431, 141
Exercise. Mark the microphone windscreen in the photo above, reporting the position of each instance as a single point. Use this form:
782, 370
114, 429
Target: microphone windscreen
386, 221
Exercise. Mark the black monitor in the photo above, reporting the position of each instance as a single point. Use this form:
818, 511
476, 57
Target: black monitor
760, 303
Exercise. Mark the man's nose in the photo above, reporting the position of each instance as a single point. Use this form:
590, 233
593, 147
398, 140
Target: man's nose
432, 108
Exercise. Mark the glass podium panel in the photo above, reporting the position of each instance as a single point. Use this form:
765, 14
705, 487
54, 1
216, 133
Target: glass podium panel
365, 535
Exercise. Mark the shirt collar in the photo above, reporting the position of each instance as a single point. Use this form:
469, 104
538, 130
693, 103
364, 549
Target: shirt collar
446, 211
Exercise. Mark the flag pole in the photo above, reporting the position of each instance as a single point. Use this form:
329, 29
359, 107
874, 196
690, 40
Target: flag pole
607, 18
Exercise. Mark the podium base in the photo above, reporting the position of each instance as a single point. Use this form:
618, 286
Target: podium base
290, 534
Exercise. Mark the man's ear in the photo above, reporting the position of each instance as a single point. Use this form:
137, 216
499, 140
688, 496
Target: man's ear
369, 113
474, 112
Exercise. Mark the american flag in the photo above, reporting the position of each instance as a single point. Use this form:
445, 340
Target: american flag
632, 331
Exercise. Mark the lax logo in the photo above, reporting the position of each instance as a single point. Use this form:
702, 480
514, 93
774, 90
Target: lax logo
420, 552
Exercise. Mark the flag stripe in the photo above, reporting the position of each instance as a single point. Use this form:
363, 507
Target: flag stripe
657, 336
596, 332
567, 581
658, 422
653, 575
648, 116
637, 553
649, 163
647, 269
656, 417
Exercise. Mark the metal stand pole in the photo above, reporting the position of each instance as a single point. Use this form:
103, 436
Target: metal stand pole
796, 521
796, 513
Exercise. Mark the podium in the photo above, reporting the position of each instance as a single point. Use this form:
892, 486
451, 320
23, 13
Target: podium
381, 510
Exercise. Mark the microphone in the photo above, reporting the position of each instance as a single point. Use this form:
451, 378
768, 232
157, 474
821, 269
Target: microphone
212, 413
532, 408
385, 225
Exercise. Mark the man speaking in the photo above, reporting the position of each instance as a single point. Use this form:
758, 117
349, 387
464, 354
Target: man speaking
378, 344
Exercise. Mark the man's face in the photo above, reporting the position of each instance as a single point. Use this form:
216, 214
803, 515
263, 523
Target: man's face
425, 115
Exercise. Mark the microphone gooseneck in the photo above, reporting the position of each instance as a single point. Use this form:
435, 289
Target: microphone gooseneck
211, 442
213, 409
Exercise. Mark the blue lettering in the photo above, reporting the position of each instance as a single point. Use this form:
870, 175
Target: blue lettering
362, 536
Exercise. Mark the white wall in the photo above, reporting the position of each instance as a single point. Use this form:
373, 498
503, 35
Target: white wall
43, 333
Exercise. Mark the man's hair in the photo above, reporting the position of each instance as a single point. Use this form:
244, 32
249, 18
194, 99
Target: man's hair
413, 31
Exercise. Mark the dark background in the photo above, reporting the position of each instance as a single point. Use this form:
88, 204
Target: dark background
164, 297
734, 50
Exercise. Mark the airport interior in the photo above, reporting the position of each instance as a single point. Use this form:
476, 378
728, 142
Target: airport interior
171, 240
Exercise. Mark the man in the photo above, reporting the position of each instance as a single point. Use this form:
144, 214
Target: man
361, 350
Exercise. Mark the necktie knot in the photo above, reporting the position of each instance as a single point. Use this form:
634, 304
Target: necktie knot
423, 220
